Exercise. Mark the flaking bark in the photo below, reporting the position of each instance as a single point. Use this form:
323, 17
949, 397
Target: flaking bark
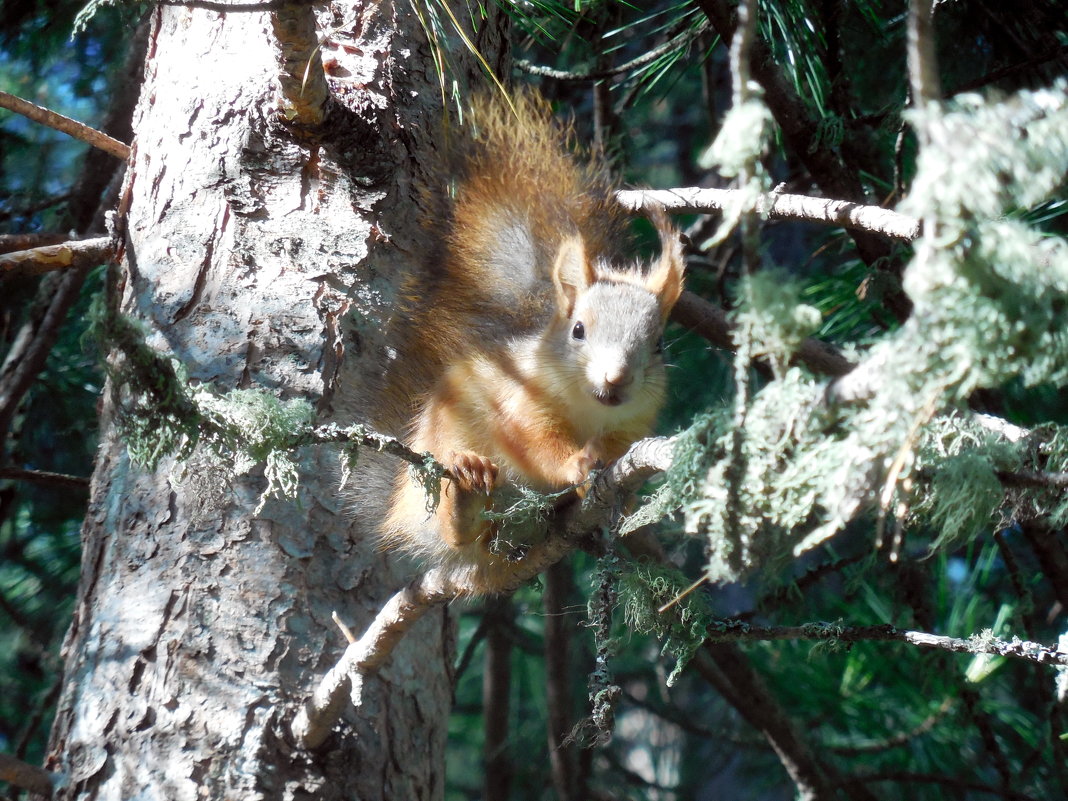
258, 261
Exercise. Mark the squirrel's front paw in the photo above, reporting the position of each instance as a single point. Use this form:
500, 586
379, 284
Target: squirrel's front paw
471, 472
582, 462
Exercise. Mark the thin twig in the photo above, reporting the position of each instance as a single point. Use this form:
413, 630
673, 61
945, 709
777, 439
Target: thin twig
899, 739
66, 125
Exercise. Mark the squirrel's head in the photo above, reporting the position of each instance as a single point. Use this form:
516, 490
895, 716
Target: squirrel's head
610, 322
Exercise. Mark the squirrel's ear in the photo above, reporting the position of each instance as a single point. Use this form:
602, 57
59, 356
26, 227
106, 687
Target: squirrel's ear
572, 274
665, 279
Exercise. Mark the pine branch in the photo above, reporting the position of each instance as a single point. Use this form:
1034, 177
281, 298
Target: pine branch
65, 124
344, 681
778, 206
676, 41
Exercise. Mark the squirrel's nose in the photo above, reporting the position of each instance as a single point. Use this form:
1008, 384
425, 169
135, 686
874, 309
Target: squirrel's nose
619, 378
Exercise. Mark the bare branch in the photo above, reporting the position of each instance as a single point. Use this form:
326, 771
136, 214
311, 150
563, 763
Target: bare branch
725, 667
1033, 478
321, 711
65, 124
28, 777
712, 323
44, 477
72, 254
923, 69
777, 206
35, 338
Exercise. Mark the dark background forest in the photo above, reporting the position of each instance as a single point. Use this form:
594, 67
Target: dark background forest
649, 84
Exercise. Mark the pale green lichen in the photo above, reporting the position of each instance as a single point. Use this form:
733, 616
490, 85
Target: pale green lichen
644, 589
990, 295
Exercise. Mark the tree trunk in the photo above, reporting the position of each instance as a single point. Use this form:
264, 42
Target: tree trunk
259, 261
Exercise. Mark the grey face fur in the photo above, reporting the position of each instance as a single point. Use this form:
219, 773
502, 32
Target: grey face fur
615, 350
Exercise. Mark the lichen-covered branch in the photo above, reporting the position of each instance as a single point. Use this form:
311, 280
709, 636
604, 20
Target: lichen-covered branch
779, 206
68, 126
343, 682
984, 643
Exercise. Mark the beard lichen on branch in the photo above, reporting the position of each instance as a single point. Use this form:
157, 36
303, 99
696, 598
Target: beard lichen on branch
162, 413
990, 292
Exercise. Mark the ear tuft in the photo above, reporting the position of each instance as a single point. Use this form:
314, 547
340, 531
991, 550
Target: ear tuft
665, 279
572, 274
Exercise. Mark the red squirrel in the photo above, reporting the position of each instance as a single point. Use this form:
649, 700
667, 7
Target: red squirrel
530, 352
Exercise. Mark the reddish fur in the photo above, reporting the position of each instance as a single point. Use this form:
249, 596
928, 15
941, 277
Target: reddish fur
490, 415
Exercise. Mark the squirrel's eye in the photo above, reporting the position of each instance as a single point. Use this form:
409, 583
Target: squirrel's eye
659, 346
579, 331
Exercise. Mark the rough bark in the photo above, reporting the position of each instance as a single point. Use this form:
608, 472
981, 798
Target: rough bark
260, 260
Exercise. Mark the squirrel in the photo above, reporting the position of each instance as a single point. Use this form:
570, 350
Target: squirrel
530, 350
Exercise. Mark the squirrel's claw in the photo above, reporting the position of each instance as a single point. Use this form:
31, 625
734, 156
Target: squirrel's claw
473, 473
